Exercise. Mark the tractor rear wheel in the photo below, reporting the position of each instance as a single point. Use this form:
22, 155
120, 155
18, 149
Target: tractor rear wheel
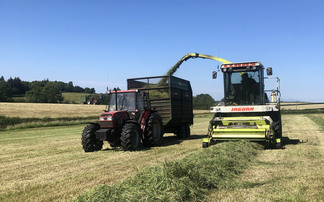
130, 137
89, 141
154, 131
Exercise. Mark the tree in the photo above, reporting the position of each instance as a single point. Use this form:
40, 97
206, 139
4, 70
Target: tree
48, 92
34, 94
51, 93
4, 92
203, 101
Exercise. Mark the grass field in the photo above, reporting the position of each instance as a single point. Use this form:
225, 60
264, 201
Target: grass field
41, 110
43, 164
301, 106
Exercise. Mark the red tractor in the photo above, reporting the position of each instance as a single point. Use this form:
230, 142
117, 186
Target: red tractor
128, 122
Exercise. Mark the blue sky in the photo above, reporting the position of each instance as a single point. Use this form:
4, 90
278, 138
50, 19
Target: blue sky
97, 43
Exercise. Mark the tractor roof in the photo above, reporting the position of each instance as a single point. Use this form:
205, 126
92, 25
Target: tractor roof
123, 91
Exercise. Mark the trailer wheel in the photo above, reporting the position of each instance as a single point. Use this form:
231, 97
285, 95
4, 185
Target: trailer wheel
187, 130
154, 131
89, 141
130, 137
181, 132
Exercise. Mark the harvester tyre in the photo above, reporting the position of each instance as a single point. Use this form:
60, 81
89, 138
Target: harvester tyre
205, 144
154, 131
277, 129
278, 145
89, 141
130, 137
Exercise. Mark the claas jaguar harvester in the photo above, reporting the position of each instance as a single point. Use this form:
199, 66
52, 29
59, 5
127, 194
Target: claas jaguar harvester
248, 111
141, 114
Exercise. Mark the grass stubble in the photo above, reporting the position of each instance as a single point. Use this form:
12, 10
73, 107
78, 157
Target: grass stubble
40, 164
293, 174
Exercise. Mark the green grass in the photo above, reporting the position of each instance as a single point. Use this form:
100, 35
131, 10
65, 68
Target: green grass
189, 179
7, 122
49, 164
319, 120
73, 98
292, 174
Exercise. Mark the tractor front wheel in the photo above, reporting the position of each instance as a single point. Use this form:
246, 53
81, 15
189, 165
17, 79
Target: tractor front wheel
130, 137
89, 141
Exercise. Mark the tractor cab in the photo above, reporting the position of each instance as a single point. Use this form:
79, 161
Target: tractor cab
129, 104
244, 84
130, 100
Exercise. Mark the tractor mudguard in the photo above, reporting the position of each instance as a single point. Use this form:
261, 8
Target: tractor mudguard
144, 119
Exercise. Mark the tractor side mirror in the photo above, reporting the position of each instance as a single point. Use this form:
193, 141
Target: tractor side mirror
214, 74
269, 71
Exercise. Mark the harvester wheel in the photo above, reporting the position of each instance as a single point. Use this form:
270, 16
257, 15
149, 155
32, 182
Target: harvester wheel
278, 145
154, 131
205, 144
130, 137
89, 141
277, 129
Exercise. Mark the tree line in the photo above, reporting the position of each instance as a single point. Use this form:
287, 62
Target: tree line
44, 91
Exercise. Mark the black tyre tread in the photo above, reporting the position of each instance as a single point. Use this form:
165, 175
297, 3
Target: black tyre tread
187, 127
277, 129
126, 137
149, 140
204, 145
88, 139
181, 132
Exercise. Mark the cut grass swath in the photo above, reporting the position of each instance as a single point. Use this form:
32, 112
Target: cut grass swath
188, 179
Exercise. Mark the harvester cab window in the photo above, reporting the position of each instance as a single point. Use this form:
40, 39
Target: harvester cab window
242, 88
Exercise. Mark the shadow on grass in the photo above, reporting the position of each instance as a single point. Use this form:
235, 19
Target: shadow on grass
173, 140
288, 141
166, 141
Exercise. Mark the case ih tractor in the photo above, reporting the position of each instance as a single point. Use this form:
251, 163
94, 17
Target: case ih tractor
142, 114
127, 121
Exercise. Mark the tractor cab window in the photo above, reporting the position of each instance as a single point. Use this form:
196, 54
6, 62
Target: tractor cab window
242, 88
141, 104
125, 102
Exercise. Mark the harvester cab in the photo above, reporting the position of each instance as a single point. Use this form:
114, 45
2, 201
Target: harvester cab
247, 111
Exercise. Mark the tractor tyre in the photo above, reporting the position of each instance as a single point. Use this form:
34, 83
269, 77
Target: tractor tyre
89, 141
130, 137
154, 131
